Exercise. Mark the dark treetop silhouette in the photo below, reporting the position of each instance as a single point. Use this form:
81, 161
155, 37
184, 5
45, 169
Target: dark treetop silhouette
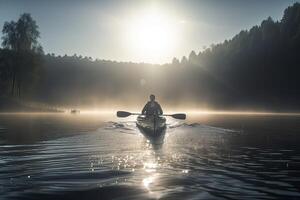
21, 54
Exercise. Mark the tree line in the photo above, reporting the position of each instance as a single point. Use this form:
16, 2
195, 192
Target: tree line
257, 67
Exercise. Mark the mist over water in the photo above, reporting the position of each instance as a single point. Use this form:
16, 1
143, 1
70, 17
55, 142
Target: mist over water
62, 156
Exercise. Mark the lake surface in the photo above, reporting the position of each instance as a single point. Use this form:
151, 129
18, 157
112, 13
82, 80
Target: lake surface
97, 156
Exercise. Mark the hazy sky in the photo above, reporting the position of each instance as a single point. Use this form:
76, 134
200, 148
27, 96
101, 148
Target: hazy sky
139, 30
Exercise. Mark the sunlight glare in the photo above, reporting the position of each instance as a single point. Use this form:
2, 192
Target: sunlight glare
152, 36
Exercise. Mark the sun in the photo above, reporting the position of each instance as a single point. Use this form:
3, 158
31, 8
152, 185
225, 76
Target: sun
152, 37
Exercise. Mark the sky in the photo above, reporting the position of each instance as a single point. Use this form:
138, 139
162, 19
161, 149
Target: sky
150, 31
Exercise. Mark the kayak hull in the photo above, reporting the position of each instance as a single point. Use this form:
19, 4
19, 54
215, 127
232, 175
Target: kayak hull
151, 126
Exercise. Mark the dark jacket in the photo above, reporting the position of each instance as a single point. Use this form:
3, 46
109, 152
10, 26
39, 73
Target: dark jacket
152, 108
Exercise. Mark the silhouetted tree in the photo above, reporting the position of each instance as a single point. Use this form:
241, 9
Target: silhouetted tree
175, 62
21, 38
184, 60
193, 57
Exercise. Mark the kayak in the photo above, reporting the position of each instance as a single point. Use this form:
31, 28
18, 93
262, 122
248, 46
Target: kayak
152, 126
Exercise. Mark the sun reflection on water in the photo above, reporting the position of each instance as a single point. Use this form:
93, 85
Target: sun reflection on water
150, 167
147, 181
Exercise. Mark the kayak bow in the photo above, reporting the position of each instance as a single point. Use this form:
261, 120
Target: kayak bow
151, 125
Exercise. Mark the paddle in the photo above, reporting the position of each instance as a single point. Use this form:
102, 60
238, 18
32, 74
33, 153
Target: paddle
177, 116
126, 114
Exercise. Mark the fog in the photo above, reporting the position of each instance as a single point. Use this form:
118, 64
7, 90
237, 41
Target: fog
256, 70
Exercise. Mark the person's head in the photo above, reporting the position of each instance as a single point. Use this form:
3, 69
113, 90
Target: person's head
152, 97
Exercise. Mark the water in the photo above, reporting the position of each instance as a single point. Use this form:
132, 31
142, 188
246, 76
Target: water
61, 156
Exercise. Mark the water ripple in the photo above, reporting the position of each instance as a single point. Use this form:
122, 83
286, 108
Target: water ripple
115, 161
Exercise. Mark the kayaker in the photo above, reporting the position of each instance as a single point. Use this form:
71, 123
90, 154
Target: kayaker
152, 107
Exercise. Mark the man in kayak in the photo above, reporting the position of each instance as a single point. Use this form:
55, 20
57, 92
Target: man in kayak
152, 107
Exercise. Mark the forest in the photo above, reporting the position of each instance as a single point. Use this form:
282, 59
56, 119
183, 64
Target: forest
256, 69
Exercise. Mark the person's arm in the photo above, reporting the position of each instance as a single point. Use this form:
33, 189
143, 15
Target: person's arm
159, 109
145, 109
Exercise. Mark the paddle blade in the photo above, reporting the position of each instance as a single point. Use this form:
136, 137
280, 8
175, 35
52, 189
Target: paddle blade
123, 114
179, 116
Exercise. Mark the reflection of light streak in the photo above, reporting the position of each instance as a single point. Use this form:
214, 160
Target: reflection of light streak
150, 167
147, 181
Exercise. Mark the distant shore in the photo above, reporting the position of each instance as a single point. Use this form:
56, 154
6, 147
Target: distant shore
14, 105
